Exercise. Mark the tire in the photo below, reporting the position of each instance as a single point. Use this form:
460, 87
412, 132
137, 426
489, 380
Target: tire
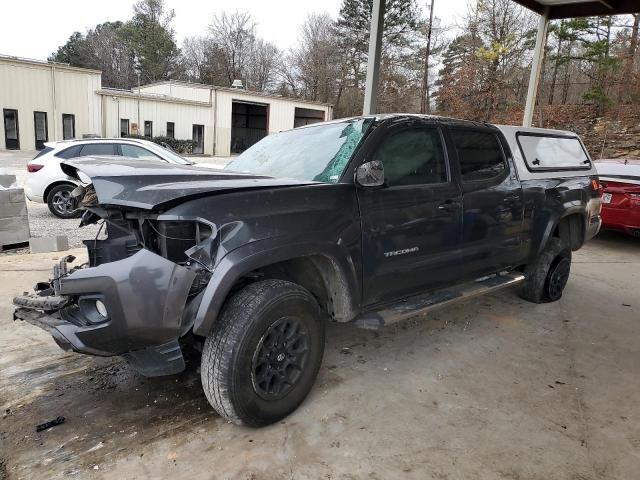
547, 276
60, 202
247, 360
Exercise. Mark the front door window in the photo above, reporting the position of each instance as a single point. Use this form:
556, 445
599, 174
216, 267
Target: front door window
198, 139
40, 128
124, 127
68, 126
11, 133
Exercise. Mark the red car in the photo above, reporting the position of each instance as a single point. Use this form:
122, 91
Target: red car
620, 180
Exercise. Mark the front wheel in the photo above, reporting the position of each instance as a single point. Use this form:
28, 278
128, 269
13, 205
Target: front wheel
61, 203
264, 352
546, 277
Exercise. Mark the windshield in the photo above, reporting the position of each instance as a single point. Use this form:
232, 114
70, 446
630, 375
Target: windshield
318, 153
170, 154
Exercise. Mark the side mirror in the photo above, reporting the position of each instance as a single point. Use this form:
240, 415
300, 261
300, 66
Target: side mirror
370, 174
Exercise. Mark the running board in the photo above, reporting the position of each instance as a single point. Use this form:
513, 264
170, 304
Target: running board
421, 304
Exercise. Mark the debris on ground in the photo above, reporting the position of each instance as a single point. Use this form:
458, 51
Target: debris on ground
49, 424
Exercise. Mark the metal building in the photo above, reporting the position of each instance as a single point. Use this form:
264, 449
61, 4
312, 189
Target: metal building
224, 121
44, 101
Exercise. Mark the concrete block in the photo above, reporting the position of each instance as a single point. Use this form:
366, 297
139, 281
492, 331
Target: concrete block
14, 221
7, 180
13, 230
12, 203
58, 243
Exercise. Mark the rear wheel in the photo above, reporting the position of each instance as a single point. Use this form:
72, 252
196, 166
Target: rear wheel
61, 203
263, 355
546, 277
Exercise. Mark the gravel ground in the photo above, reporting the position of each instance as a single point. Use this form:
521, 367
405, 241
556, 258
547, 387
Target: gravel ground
41, 222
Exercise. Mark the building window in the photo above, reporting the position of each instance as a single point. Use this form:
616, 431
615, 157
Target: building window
40, 129
171, 130
68, 126
124, 127
11, 132
148, 128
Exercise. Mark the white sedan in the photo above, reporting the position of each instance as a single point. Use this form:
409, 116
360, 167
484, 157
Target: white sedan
46, 183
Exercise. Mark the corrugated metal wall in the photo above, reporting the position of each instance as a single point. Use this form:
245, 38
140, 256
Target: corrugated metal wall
195, 92
28, 87
184, 116
281, 113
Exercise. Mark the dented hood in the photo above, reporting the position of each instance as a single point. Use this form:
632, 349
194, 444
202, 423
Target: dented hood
151, 185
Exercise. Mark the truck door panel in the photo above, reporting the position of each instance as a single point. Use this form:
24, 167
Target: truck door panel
411, 227
492, 203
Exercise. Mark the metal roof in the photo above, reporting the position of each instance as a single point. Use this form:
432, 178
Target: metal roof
581, 8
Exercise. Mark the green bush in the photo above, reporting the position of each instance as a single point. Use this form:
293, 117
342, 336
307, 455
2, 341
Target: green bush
179, 146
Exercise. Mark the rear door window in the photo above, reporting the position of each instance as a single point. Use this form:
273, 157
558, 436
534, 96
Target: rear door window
98, 149
479, 154
71, 152
543, 152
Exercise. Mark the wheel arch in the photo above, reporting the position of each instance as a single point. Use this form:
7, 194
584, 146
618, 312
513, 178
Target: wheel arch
51, 186
323, 269
570, 226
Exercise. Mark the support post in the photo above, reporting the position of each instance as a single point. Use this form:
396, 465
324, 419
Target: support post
373, 62
536, 69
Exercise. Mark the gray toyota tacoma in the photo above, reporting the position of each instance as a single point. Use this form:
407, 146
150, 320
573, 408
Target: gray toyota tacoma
368, 220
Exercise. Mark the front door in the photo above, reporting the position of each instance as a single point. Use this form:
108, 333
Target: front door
411, 226
493, 205
11, 131
198, 139
40, 129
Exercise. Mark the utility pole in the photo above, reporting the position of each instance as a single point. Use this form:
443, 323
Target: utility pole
373, 61
139, 104
425, 105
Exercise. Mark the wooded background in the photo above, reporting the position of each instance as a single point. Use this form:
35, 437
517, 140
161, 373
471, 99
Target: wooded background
477, 69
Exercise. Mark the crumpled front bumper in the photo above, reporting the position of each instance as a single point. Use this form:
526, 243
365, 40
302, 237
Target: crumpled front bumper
145, 296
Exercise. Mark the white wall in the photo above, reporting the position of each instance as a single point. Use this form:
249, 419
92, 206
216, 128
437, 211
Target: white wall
281, 114
27, 86
183, 115
184, 91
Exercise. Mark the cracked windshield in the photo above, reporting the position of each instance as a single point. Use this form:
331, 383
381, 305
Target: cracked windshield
318, 153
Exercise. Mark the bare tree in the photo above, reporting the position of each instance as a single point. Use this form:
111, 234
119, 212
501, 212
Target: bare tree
234, 35
316, 61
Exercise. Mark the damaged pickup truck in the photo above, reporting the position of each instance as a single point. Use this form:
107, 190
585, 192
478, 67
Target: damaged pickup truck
368, 220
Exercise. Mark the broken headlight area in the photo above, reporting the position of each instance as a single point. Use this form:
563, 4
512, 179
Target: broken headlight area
190, 243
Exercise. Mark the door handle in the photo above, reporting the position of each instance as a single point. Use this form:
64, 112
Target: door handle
448, 205
512, 198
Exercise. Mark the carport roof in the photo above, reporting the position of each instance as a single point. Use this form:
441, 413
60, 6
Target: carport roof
581, 8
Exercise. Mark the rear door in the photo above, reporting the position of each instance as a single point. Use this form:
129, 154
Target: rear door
492, 202
411, 226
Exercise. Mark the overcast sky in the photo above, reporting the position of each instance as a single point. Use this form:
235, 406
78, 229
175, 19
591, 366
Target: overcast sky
35, 28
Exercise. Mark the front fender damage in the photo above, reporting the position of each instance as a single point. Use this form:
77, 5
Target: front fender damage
136, 295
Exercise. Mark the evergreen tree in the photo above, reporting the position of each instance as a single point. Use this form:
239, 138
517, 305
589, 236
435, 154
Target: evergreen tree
150, 37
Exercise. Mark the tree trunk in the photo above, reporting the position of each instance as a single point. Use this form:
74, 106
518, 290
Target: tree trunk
556, 67
628, 64
425, 104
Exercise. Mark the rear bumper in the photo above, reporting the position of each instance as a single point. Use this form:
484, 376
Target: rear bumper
624, 219
32, 193
144, 295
